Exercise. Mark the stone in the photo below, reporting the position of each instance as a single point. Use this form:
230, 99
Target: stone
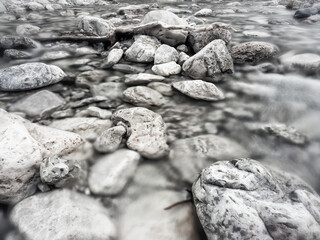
190, 155
205, 12
27, 29
147, 131
89, 78
305, 12
213, 59
307, 63
112, 90
113, 58
56, 209
143, 96
99, 113
142, 78
111, 173
63, 113
199, 89
239, 199
35, 6
165, 54
29, 76
133, 9
167, 36
55, 55
128, 69
253, 33
16, 54
88, 128
87, 101
23, 146
98, 26
182, 58
37, 104
163, 88
9, 42
253, 52
143, 49
167, 69
110, 140
3, 8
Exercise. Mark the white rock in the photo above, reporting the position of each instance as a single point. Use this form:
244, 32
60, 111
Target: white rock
308, 63
96, 25
167, 69
163, 88
27, 29
165, 54
142, 78
99, 113
143, 96
110, 140
114, 57
205, 12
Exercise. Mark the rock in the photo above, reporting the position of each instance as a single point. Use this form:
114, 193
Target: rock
3, 8
143, 96
37, 104
128, 69
199, 89
205, 12
199, 39
213, 59
142, 78
143, 49
99, 113
27, 29
182, 58
54, 55
88, 128
87, 101
114, 57
167, 69
163, 88
56, 209
110, 140
165, 54
253, 52
167, 36
239, 199
34, 6
253, 33
305, 12
190, 155
23, 145
110, 174
89, 78
63, 113
29, 76
96, 25
148, 131
133, 9
8, 42
16, 54
112, 90
53, 7
308, 63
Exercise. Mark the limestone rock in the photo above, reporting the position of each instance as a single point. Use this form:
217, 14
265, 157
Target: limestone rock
165, 54
110, 139
167, 69
143, 96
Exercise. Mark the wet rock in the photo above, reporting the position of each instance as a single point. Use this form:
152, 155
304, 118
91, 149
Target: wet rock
110, 174
3, 8
190, 155
54, 55
305, 12
143, 96
63, 113
8, 42
114, 57
143, 49
53, 7
205, 12
253, 52
55, 209
35, 6
133, 9
96, 25
88, 128
142, 78
253, 33
27, 29
128, 69
163, 88
213, 59
182, 58
29, 76
99, 113
165, 54
37, 104
148, 131
245, 194
112, 90
167, 69
110, 140
87, 101
170, 37
16, 54
308, 63
199, 89
89, 78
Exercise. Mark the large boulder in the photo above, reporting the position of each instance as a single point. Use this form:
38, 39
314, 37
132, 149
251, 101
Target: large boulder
242, 199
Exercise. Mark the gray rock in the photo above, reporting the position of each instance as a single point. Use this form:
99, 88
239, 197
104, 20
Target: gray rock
143, 96
242, 199
63, 113
87, 101
96, 25
165, 54
110, 174
205, 12
114, 57
53, 7
54, 55
143, 49
56, 209
34, 6
199, 89
308, 63
37, 104
182, 58
133, 9
110, 140
256, 34
128, 69
213, 59
99, 113
29, 76
305, 12
163, 88
3, 8
112, 90
27, 29
16, 54
190, 155
167, 69
253, 52
147, 131
142, 78
8, 42
89, 78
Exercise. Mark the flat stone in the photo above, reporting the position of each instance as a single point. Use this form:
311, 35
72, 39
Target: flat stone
55, 55
96, 25
29, 76
199, 89
27, 29
308, 63
167, 69
142, 78
9, 42
114, 57
99, 113
87, 101
163, 88
147, 131
112, 90
16, 54
253, 33
110, 140
128, 69
63, 113
143, 96
165, 54
89, 78
111, 173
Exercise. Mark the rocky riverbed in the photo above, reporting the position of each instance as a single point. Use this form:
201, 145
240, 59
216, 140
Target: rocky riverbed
168, 119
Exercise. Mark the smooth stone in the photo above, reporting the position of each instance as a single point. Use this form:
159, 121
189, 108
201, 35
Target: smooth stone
63, 113
199, 89
27, 29
96, 25
213, 59
87, 101
253, 52
143, 96
308, 63
16, 54
143, 49
98, 112
9, 42
89, 78
111, 173
55, 55
29, 76
35, 6
53, 7
3, 8
182, 48
66, 212
253, 33
112, 90
110, 140
256, 202
163, 88
205, 12
306, 12
142, 78
114, 57
147, 131
127, 68
133, 9
36, 104
165, 54
167, 69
